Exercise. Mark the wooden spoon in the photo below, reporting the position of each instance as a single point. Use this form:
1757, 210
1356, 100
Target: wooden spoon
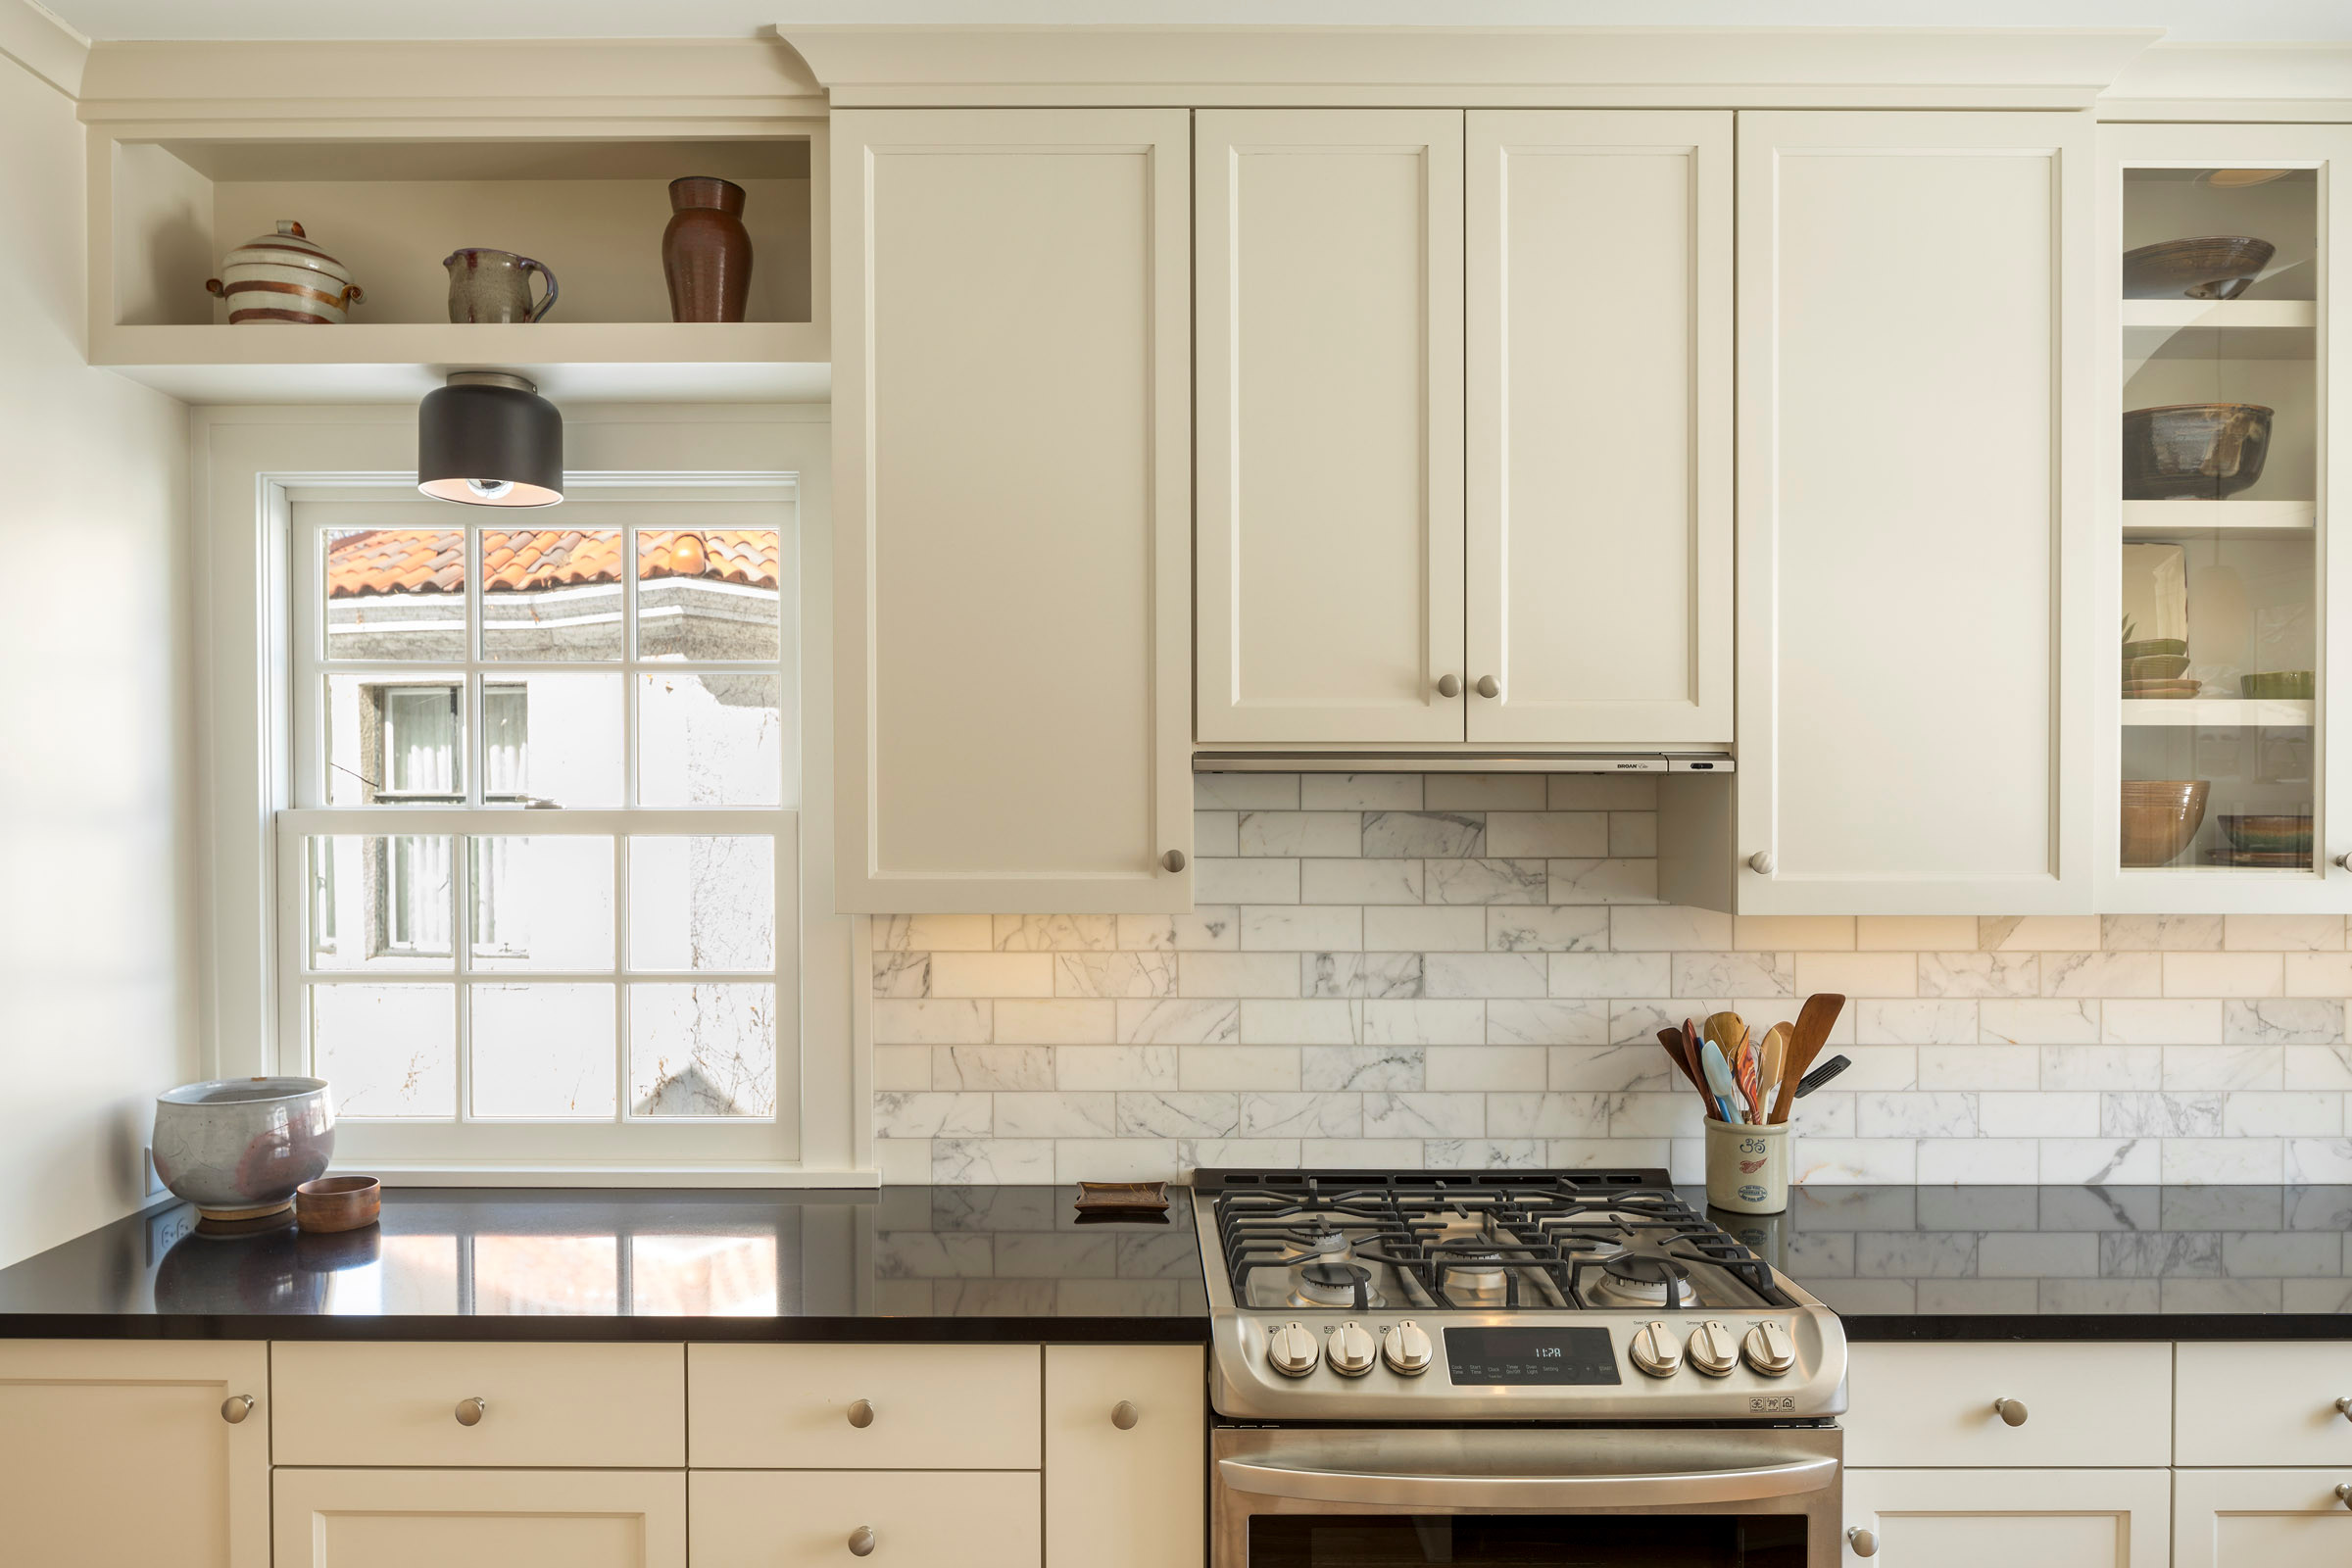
1672, 1040
1773, 1056
1814, 1022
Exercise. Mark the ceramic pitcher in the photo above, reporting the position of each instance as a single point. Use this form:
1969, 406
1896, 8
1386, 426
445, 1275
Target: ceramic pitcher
487, 286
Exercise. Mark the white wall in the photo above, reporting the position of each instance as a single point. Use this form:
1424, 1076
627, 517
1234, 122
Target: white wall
98, 976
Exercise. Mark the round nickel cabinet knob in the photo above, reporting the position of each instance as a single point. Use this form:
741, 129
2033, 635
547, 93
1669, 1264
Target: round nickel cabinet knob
1292, 1350
1768, 1349
1173, 859
236, 1408
1406, 1349
1450, 685
2012, 1411
1714, 1349
1656, 1349
2344, 1494
1124, 1415
1351, 1352
1865, 1544
2343, 1407
861, 1413
471, 1411
861, 1542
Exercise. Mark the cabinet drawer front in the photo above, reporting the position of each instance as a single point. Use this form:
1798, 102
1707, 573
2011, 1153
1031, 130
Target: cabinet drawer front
543, 1404
934, 1407
2263, 1405
742, 1519
480, 1519
2086, 1406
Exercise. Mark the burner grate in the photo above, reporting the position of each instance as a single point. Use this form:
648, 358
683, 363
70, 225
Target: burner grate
1549, 1234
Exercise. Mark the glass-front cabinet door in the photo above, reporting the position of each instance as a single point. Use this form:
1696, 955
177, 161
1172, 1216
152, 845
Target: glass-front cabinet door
2224, 785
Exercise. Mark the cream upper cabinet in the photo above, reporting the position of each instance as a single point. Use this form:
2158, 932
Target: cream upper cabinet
128, 1455
1916, 455
1126, 1455
1978, 1518
1598, 386
2218, 789
1329, 279
1012, 402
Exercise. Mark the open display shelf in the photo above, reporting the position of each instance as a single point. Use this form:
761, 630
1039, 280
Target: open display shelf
591, 208
2218, 711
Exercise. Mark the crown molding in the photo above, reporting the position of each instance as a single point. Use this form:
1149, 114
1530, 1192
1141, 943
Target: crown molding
35, 38
2242, 81
1714, 67
682, 79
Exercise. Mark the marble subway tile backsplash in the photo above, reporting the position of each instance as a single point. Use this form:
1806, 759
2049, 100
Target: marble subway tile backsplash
1463, 971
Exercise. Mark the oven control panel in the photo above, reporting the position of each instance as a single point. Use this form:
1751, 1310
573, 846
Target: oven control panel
1697, 1365
1479, 1355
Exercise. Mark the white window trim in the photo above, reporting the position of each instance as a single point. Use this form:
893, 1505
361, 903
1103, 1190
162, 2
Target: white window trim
245, 460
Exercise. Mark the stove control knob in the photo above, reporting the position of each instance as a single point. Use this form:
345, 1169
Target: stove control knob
1714, 1349
1351, 1352
1656, 1349
1406, 1349
1769, 1350
1292, 1350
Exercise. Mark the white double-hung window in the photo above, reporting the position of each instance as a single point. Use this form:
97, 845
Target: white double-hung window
538, 883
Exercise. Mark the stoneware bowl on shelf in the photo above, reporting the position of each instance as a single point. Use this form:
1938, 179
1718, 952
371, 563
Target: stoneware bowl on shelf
2159, 816
2213, 267
2204, 450
2289, 685
2270, 833
237, 1148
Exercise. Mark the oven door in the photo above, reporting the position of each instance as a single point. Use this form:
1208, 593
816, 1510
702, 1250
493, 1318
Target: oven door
1484, 1497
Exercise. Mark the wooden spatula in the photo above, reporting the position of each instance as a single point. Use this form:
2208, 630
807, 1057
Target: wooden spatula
1814, 1022
1773, 1056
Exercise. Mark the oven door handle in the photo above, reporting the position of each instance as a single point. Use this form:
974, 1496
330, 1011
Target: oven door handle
1411, 1488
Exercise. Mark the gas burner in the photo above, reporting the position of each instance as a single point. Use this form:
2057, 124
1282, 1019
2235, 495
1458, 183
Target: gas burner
1320, 1245
1646, 1281
1476, 1279
1334, 1285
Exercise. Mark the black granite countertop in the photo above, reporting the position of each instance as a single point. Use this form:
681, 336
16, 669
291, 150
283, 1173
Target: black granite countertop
1015, 1263
2068, 1262
906, 1263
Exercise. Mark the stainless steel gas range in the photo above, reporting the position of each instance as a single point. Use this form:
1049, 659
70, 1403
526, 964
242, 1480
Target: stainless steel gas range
1531, 1367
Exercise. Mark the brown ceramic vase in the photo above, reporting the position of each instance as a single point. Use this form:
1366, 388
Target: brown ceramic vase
705, 251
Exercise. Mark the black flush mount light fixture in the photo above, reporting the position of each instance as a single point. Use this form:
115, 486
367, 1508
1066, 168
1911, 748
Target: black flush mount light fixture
489, 439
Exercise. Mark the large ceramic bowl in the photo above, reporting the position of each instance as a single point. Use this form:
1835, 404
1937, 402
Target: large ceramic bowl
2160, 818
237, 1148
2206, 450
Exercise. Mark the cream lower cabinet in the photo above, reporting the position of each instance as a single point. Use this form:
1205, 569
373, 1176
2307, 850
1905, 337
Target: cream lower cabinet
1125, 1427
2007, 1518
1918, 440
804, 1518
2262, 1518
124, 1455
1012, 430
480, 1518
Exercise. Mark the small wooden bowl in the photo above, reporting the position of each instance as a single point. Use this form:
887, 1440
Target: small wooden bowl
338, 1204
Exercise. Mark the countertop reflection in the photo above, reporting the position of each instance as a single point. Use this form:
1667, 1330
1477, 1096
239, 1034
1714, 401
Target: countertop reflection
904, 1263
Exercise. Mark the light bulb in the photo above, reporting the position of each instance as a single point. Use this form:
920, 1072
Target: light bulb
490, 489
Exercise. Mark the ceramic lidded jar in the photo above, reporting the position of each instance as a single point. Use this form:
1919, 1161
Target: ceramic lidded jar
284, 277
706, 253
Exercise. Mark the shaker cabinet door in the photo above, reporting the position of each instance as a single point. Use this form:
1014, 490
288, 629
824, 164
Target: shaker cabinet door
2262, 1518
1971, 1518
1011, 404
1329, 277
1916, 455
480, 1518
120, 1456
1598, 386
1126, 1455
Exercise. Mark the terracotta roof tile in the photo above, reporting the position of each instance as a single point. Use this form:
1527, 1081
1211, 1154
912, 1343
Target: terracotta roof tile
390, 561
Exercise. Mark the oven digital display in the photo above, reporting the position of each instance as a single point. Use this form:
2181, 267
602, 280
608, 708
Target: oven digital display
1530, 1355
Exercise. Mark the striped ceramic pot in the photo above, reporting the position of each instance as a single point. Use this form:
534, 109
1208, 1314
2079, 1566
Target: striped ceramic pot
284, 277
